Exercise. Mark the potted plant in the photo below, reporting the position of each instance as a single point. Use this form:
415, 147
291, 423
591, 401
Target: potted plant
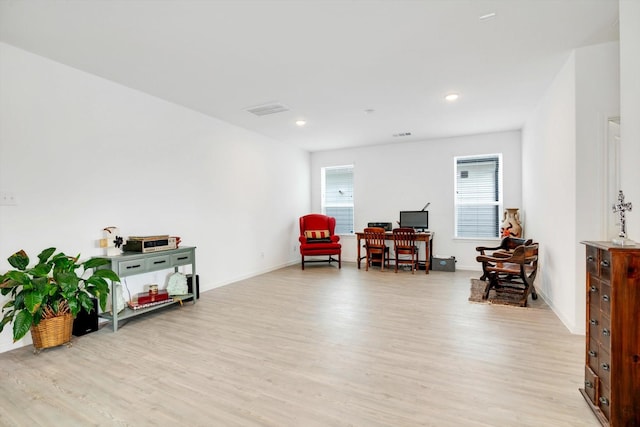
47, 297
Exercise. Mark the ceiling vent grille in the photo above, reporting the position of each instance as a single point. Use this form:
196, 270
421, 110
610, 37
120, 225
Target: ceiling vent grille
266, 109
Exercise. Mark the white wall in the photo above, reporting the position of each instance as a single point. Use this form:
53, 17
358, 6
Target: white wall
630, 110
81, 153
405, 176
563, 189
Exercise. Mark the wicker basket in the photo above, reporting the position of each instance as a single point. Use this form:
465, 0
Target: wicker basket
52, 332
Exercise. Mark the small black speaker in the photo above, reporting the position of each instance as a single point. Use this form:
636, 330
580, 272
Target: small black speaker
190, 284
86, 322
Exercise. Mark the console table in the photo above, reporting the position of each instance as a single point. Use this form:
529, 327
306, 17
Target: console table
426, 237
133, 263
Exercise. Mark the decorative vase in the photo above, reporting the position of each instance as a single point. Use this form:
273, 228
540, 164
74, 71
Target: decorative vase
511, 226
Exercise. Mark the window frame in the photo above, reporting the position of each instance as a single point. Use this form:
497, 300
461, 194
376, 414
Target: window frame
347, 202
499, 203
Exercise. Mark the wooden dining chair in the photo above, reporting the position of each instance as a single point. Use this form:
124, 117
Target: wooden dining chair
404, 246
377, 249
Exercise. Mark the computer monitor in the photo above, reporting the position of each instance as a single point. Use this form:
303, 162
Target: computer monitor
415, 219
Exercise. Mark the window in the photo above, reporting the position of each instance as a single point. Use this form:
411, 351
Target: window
337, 196
478, 196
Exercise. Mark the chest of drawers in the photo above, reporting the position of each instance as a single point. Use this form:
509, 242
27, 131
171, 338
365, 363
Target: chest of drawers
612, 350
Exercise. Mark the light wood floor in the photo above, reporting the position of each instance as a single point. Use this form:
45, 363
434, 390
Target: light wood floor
320, 347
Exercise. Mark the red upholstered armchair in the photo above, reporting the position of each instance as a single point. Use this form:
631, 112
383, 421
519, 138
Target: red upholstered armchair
317, 238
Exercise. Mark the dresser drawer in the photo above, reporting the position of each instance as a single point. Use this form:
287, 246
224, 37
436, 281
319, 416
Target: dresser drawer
605, 298
592, 354
594, 326
592, 261
605, 333
604, 368
132, 266
159, 262
591, 385
594, 294
604, 264
604, 401
182, 259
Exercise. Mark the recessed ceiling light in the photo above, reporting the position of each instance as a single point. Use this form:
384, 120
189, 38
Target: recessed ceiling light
452, 97
487, 16
301, 122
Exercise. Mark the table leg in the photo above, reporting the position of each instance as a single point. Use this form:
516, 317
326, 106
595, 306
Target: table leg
427, 253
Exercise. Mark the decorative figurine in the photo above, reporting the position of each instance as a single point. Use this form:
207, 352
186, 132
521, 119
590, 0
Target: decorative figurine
177, 284
111, 240
620, 208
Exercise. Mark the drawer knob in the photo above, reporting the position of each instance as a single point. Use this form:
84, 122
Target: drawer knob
590, 258
592, 353
606, 332
604, 401
593, 288
605, 366
134, 266
588, 384
593, 321
605, 298
604, 263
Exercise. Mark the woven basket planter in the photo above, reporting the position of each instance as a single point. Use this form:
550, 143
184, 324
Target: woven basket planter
52, 332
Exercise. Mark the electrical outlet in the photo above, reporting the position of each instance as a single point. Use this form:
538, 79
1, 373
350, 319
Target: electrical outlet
8, 199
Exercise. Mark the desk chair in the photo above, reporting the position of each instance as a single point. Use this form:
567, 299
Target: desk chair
404, 244
377, 250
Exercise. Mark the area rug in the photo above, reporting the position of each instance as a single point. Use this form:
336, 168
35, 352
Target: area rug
477, 290
495, 297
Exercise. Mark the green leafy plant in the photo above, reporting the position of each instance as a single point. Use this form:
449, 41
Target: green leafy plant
51, 288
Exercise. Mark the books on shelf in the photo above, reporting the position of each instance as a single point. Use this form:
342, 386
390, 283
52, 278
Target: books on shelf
133, 305
147, 297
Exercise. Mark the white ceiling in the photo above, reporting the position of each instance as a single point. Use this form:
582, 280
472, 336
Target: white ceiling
327, 60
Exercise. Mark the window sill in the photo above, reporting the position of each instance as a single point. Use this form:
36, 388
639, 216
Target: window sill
478, 239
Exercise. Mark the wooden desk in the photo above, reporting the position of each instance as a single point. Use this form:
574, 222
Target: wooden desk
420, 237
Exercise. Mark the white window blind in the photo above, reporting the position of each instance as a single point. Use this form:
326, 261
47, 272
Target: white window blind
337, 196
478, 196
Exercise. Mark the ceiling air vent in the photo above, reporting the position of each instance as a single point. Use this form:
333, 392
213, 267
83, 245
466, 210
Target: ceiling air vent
263, 110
